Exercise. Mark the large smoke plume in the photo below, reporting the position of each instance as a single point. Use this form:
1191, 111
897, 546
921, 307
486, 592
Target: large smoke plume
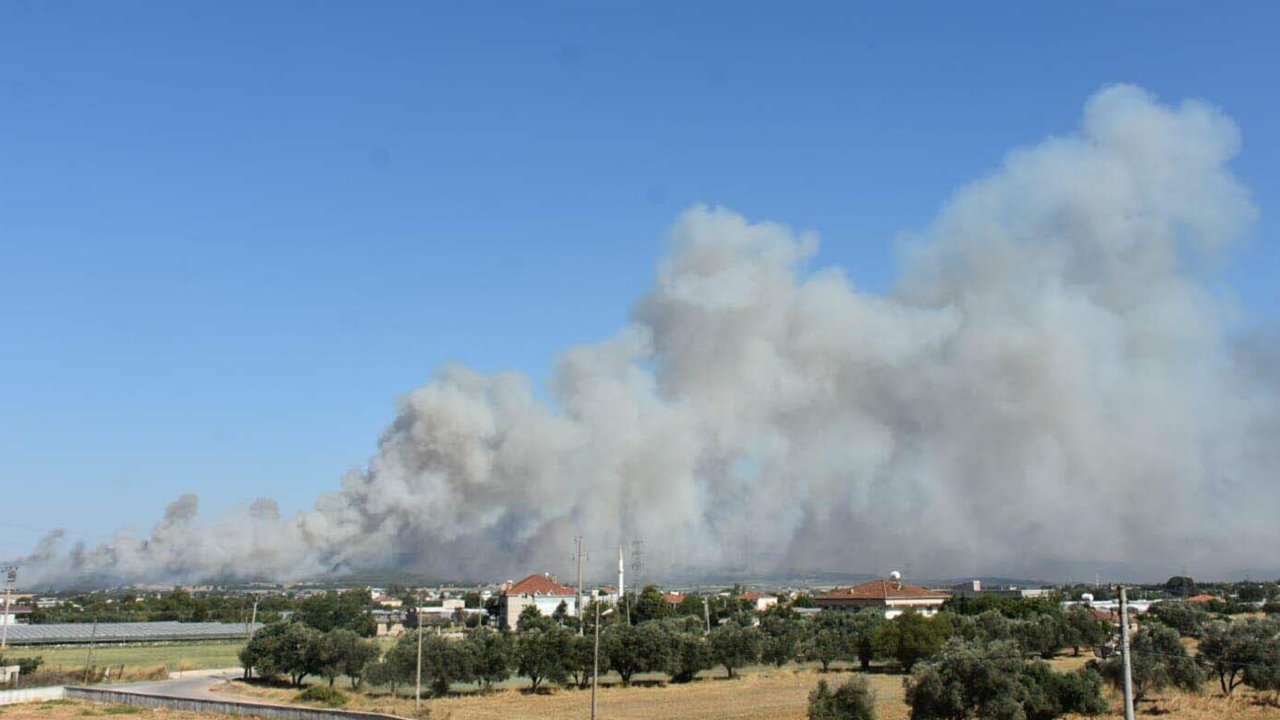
1053, 381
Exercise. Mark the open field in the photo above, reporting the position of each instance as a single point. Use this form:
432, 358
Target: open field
763, 693
172, 656
64, 709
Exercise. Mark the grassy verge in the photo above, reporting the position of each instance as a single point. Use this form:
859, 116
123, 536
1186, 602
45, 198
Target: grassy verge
171, 656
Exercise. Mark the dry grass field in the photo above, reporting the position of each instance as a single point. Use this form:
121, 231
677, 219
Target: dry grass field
763, 693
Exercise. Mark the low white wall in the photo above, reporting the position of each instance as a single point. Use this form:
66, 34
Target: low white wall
10, 697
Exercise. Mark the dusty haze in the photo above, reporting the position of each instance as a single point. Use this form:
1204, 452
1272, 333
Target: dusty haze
1055, 381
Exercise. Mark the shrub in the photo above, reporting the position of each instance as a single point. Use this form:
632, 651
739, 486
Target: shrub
994, 681
851, 701
1158, 661
689, 656
322, 695
1186, 618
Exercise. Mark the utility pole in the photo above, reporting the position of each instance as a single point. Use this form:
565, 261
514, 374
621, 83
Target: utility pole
595, 663
580, 607
417, 684
1124, 654
253, 620
706, 614
10, 577
88, 663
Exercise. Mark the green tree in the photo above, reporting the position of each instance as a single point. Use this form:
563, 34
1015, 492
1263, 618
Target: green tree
541, 655
401, 661
734, 646
445, 662
635, 648
494, 654
1228, 649
828, 638
580, 659
863, 628
281, 649
1042, 635
651, 604
853, 700
1184, 617
689, 655
1158, 661
531, 618
1083, 629
911, 637
377, 673
692, 606
1251, 592
349, 609
327, 652
993, 680
782, 638
356, 656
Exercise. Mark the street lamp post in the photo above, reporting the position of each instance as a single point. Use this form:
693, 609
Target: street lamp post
417, 685
595, 661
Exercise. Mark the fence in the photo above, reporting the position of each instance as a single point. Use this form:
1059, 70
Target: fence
222, 707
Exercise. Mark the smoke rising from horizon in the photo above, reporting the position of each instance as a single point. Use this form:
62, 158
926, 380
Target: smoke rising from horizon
1052, 381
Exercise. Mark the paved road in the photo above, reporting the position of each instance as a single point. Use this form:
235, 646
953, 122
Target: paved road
198, 686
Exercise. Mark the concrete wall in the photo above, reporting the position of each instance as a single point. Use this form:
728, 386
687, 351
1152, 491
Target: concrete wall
223, 707
10, 697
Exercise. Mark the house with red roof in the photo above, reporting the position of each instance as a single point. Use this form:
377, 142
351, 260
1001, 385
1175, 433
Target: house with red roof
892, 596
759, 601
541, 591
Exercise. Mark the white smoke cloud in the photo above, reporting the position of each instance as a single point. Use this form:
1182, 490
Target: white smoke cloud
1051, 383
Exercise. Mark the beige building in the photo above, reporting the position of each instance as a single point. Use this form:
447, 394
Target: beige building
540, 591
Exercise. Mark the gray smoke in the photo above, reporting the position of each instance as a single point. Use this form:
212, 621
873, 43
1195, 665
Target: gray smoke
1052, 382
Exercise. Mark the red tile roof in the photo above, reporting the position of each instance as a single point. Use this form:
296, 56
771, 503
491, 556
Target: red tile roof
673, 598
1203, 598
539, 585
881, 590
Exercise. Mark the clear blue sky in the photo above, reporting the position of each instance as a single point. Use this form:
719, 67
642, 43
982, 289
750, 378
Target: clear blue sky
231, 234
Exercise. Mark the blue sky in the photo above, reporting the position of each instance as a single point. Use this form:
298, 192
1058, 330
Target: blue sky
231, 234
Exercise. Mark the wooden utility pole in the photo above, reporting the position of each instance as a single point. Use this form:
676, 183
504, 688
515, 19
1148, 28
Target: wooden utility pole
1124, 654
417, 685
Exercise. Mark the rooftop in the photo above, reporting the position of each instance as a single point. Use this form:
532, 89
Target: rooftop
882, 590
540, 585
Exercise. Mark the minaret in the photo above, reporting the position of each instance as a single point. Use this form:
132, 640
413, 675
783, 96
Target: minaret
621, 570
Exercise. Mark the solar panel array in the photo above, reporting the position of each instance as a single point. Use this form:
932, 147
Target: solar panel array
59, 633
